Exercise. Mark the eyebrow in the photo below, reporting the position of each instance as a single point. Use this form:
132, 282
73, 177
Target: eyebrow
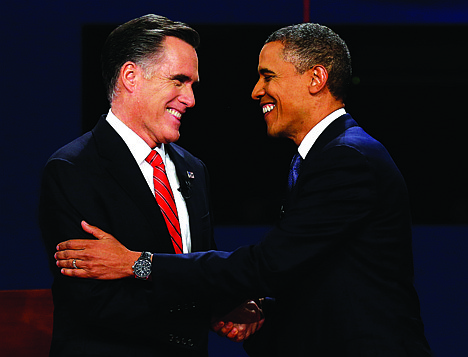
183, 78
264, 71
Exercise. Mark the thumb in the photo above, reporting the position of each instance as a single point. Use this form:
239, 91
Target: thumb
93, 230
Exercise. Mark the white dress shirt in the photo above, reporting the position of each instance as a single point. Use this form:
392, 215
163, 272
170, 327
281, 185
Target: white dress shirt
315, 132
140, 151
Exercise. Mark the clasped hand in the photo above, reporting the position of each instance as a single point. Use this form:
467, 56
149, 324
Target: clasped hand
105, 258
241, 323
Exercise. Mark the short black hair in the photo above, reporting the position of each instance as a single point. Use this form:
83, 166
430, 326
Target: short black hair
307, 45
140, 40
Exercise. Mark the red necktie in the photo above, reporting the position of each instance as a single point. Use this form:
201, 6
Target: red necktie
165, 199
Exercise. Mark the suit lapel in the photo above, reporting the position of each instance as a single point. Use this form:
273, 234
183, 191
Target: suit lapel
121, 165
335, 129
184, 171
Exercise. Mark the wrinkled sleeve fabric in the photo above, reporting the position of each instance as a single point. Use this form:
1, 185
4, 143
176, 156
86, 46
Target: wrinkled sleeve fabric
333, 197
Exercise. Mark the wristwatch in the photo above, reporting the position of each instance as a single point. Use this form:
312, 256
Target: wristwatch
142, 267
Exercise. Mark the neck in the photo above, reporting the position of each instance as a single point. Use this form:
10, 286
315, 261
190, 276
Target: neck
318, 111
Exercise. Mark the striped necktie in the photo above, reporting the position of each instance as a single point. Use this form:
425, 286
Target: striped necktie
165, 199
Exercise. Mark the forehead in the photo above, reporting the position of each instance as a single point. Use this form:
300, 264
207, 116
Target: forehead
271, 57
179, 56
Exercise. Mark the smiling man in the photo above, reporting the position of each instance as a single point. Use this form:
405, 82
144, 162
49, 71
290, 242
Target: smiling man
128, 177
294, 100
339, 261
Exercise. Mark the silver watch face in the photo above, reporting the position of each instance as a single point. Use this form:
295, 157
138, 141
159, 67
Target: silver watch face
142, 268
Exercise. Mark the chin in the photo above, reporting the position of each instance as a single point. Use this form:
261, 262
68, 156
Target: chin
272, 132
173, 138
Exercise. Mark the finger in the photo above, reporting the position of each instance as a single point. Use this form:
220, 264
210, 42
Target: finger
69, 254
62, 263
76, 273
217, 326
64, 255
64, 245
73, 244
226, 329
251, 330
68, 263
245, 331
95, 231
233, 333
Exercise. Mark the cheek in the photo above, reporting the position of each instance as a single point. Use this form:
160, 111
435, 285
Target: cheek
275, 122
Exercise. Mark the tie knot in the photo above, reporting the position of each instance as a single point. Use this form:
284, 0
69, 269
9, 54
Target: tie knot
154, 159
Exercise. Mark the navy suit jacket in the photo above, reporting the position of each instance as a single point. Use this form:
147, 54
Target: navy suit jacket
95, 178
339, 261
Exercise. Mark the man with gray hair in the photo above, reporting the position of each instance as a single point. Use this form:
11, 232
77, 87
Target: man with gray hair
128, 177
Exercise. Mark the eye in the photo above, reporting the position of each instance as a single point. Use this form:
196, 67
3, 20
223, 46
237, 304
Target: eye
180, 79
267, 78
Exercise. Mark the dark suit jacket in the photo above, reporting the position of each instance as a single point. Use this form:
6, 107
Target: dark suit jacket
95, 178
339, 261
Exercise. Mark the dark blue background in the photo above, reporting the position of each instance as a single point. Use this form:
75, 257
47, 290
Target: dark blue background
42, 99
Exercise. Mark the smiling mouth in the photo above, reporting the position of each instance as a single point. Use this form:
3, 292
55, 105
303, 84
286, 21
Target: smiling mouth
268, 108
174, 112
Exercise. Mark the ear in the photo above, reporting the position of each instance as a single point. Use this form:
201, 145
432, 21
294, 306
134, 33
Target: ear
128, 76
318, 77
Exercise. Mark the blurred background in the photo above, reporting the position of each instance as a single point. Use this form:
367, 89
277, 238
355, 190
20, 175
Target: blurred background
409, 91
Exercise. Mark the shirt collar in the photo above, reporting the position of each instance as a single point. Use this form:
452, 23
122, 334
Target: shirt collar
137, 146
318, 129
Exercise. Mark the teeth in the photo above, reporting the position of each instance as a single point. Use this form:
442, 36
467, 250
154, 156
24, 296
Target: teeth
268, 108
174, 113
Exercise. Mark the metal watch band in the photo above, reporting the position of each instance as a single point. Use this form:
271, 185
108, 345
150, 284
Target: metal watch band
142, 267
145, 255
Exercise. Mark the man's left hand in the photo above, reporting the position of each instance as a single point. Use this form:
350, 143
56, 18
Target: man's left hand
105, 258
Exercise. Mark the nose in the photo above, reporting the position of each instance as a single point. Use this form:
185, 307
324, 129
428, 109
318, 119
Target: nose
188, 97
258, 91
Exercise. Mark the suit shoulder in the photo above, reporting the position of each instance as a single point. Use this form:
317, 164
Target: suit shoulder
359, 140
356, 143
184, 154
76, 150
356, 136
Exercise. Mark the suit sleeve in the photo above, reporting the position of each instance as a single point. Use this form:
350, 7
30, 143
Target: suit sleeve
69, 196
334, 196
